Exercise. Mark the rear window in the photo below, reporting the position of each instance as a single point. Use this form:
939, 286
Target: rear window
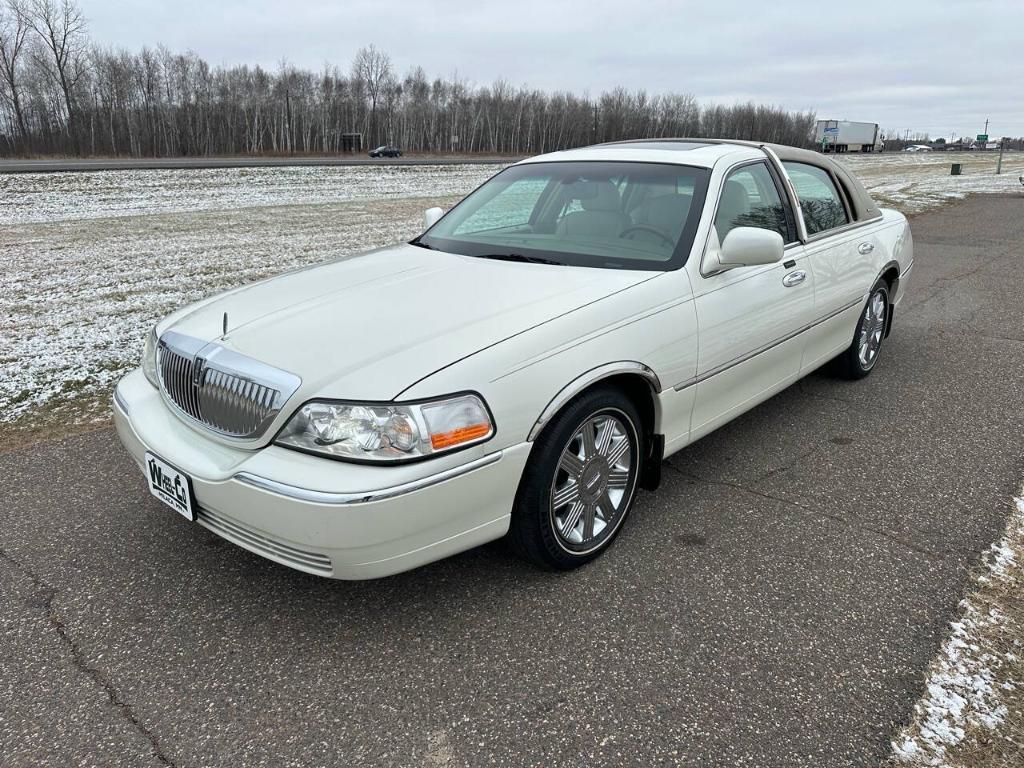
820, 202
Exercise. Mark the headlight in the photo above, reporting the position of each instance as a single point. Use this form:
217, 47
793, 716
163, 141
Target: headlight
381, 432
149, 359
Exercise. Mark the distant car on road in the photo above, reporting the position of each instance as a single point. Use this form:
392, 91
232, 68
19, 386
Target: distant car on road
917, 148
522, 367
386, 151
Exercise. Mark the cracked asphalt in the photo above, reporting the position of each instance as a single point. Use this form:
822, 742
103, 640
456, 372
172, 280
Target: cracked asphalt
775, 603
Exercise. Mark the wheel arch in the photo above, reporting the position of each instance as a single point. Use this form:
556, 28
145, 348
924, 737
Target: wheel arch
890, 273
636, 381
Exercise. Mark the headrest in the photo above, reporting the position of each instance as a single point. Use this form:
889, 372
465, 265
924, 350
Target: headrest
596, 195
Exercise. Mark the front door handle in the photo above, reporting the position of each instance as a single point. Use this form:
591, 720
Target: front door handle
865, 248
794, 278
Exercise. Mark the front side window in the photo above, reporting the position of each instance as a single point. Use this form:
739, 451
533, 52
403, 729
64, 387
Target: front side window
820, 202
616, 215
751, 199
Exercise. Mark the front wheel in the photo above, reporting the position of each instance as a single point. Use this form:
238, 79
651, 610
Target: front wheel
860, 358
580, 481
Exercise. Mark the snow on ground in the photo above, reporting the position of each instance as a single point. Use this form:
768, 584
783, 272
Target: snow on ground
976, 684
92, 260
49, 197
916, 181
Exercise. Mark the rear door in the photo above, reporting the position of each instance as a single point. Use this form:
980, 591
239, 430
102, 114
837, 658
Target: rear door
749, 318
839, 252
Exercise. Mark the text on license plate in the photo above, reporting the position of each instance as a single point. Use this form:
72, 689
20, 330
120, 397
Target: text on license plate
172, 487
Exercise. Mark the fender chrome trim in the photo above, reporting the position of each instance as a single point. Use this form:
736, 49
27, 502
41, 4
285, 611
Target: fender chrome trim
577, 385
363, 497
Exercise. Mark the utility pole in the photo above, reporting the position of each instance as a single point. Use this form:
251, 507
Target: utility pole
999, 162
986, 127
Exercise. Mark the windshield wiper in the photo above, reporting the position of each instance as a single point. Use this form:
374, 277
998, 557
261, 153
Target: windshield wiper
420, 244
518, 257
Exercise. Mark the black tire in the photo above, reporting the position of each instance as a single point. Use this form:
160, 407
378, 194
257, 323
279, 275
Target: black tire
537, 533
852, 363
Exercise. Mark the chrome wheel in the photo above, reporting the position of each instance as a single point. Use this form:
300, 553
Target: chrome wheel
872, 329
594, 482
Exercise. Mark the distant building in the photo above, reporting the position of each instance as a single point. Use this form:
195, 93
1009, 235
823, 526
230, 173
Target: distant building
846, 136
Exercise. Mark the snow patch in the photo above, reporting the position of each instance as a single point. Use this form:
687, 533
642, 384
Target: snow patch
966, 682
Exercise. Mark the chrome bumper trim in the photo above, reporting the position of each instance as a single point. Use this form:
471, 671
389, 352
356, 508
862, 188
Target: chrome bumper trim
362, 497
120, 402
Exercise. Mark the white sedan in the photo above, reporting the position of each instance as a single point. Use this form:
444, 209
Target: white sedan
521, 368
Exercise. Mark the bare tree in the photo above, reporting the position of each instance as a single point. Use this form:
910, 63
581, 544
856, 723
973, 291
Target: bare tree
61, 27
160, 103
14, 31
371, 71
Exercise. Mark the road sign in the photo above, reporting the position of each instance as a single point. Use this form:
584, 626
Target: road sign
982, 137
832, 130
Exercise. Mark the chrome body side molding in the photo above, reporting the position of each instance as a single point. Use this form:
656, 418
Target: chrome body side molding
764, 348
363, 497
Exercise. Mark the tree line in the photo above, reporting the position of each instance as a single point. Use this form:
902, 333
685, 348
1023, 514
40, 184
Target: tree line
62, 94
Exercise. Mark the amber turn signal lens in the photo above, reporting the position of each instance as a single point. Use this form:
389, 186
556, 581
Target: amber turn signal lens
457, 436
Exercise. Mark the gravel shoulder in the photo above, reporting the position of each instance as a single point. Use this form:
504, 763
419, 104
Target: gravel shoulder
777, 602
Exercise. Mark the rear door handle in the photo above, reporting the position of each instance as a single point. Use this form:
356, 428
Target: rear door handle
865, 248
794, 278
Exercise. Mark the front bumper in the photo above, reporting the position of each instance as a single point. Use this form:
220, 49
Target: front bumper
345, 521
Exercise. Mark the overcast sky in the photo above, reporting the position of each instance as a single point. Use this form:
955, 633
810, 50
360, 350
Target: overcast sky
925, 65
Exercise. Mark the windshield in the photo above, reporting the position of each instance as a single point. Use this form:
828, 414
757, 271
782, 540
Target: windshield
618, 215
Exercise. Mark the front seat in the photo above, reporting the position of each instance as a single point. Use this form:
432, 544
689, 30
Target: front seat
665, 213
733, 208
602, 214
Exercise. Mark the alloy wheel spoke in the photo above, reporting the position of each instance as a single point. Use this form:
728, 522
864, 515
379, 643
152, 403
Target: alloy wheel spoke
589, 446
589, 515
606, 507
572, 518
566, 495
572, 465
604, 438
618, 452
618, 478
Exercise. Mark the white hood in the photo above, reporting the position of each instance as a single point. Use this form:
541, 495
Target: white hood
369, 326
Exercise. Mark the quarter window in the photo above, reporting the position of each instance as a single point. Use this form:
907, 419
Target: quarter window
751, 199
820, 202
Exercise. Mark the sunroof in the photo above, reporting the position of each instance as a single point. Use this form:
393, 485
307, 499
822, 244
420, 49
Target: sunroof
670, 146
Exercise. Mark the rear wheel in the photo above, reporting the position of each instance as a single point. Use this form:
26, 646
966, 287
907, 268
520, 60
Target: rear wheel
860, 358
580, 481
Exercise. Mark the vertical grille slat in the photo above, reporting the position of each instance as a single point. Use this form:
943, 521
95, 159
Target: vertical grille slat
226, 402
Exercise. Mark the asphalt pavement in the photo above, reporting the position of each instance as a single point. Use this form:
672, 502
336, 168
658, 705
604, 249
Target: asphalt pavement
775, 603
15, 165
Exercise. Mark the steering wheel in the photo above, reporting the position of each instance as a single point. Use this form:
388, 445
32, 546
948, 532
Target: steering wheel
644, 228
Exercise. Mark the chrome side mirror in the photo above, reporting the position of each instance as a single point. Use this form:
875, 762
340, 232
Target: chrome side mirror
430, 217
751, 246
743, 247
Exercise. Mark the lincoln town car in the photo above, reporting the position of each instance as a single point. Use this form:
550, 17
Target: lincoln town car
523, 367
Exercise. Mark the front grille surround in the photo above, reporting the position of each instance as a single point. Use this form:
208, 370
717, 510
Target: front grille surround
222, 390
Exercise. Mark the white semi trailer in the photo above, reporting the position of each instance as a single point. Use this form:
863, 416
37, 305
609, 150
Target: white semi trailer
846, 136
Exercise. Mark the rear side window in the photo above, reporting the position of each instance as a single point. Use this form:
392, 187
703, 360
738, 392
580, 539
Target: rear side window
820, 202
751, 199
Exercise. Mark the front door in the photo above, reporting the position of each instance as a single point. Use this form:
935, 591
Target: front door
750, 319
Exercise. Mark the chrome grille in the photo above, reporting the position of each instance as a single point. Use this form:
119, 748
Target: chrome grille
223, 390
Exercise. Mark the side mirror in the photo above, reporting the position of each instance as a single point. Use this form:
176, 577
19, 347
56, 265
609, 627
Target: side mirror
750, 246
430, 217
